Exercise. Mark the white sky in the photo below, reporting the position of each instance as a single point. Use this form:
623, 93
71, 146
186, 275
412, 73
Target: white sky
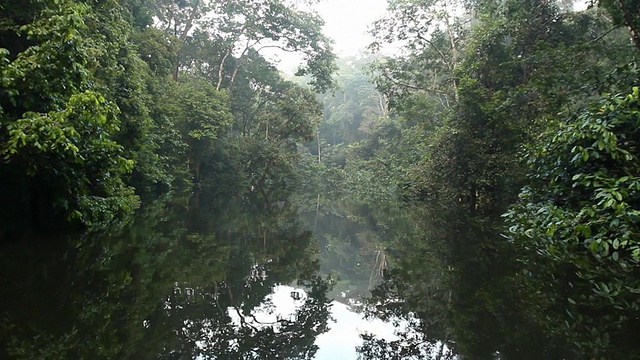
346, 22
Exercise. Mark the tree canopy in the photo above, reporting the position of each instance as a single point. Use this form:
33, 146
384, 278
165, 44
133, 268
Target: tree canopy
104, 103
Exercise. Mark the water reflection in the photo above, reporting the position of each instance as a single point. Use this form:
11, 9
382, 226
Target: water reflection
455, 286
354, 239
176, 282
357, 241
390, 268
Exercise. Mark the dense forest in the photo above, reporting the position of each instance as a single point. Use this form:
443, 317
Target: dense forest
509, 130
106, 102
526, 117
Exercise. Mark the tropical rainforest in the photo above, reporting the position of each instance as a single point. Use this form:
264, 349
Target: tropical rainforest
498, 145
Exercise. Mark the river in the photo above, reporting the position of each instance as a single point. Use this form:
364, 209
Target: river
201, 279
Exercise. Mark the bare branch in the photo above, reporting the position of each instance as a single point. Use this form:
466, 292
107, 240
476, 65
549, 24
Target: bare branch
276, 47
413, 87
607, 33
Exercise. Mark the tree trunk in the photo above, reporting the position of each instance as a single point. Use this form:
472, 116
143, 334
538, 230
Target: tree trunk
220, 69
183, 37
454, 54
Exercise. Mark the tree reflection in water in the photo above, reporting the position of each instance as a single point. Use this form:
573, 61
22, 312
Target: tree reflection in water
176, 282
455, 286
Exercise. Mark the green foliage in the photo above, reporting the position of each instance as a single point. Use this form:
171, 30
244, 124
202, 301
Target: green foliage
625, 13
579, 223
91, 109
200, 113
72, 148
289, 115
519, 64
46, 60
58, 127
198, 108
156, 49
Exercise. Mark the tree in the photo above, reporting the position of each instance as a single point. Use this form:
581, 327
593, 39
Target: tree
57, 127
256, 25
578, 224
624, 13
178, 19
240, 27
201, 113
434, 37
269, 134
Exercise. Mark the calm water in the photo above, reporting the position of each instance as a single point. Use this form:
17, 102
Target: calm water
199, 279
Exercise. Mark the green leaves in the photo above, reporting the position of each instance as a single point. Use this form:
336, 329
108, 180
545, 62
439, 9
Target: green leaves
74, 145
592, 203
199, 109
59, 121
237, 30
50, 65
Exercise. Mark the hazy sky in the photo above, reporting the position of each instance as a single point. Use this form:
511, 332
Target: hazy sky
346, 22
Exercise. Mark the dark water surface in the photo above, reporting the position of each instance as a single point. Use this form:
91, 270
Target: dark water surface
175, 282
198, 279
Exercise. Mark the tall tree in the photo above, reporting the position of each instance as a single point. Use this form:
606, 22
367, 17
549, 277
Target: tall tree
240, 26
434, 34
624, 13
58, 124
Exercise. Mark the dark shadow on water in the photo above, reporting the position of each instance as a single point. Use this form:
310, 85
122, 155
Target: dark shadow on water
178, 281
